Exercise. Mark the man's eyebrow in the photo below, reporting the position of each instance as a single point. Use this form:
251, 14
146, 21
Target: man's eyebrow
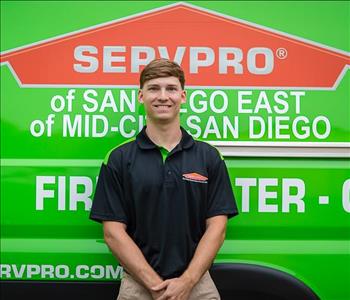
158, 85
153, 85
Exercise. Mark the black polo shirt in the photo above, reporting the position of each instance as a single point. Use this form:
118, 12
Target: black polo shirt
164, 202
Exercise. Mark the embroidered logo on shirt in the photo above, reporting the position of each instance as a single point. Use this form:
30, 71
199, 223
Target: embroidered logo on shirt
195, 177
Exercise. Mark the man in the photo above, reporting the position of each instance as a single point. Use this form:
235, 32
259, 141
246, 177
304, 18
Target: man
164, 198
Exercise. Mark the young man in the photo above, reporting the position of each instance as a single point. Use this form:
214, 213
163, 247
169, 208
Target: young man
164, 199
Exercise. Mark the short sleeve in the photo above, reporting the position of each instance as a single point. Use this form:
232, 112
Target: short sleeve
221, 200
108, 203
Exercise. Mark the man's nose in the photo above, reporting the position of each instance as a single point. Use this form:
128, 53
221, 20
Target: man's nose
163, 94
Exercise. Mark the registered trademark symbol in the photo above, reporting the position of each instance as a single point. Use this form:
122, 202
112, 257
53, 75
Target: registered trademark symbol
281, 53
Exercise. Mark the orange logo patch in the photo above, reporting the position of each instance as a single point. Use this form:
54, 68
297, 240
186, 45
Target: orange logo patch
195, 177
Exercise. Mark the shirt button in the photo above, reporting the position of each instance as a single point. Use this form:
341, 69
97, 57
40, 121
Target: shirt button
169, 172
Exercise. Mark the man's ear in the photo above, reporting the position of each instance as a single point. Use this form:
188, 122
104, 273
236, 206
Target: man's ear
140, 96
183, 96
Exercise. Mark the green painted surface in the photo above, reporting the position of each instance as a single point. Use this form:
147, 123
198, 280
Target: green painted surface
308, 19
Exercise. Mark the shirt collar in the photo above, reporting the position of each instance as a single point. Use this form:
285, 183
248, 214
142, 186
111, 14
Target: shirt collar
144, 142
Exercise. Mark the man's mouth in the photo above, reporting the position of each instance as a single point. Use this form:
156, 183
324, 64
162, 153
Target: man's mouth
162, 105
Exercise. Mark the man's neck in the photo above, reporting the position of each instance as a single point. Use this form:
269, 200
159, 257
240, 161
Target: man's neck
166, 135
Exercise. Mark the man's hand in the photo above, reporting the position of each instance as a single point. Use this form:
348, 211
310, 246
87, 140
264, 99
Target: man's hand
176, 288
157, 295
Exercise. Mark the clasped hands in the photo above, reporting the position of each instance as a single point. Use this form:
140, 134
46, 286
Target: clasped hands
173, 289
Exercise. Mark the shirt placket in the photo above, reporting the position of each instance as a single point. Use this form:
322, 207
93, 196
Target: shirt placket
169, 174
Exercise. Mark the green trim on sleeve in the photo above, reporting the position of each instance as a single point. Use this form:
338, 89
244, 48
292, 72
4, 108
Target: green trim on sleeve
105, 161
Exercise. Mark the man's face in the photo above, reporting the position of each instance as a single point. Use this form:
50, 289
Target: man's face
162, 98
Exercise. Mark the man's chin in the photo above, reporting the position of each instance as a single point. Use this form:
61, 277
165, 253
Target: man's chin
163, 118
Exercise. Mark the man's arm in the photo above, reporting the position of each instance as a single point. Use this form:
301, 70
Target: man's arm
208, 247
204, 255
129, 255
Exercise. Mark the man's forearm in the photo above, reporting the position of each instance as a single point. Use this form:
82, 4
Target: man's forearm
131, 257
207, 249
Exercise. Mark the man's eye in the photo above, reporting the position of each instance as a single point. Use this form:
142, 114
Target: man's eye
172, 89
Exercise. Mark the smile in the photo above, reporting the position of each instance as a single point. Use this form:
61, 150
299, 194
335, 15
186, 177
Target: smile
162, 105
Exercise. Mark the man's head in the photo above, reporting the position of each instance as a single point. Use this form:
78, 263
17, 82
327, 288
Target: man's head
162, 91
162, 68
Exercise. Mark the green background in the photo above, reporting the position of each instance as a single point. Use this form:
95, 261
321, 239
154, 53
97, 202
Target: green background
325, 22
25, 22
